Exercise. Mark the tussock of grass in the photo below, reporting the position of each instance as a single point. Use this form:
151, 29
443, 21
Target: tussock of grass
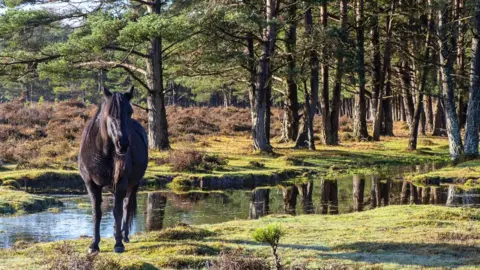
391, 237
183, 232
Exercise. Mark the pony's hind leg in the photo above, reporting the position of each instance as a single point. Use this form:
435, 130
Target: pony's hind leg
95, 193
129, 210
120, 193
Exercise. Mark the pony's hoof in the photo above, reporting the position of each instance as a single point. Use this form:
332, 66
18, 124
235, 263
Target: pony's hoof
126, 240
93, 251
119, 249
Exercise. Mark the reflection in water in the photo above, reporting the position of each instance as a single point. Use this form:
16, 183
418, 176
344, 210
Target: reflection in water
156, 204
379, 192
358, 192
329, 196
457, 196
259, 203
290, 200
164, 209
306, 191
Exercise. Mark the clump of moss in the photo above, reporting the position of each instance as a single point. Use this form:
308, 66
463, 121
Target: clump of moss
181, 183
427, 142
11, 183
13, 201
256, 164
184, 232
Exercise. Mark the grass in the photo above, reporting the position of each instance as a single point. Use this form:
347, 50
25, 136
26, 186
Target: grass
407, 237
331, 161
19, 202
348, 158
467, 174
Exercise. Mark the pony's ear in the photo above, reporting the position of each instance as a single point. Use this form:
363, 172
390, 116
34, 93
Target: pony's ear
129, 93
106, 92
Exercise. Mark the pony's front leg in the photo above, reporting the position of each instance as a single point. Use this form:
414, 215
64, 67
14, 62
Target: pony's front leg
95, 193
120, 193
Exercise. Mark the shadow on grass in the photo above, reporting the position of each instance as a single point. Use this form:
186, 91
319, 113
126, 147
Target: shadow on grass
414, 254
419, 254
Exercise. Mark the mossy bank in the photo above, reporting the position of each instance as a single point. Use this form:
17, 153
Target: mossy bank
407, 237
240, 168
18, 202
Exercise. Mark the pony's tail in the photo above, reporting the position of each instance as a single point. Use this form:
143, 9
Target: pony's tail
132, 208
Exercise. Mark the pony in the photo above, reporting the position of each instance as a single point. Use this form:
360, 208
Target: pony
113, 152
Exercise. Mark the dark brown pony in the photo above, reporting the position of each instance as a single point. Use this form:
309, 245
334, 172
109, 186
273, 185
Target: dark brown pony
113, 153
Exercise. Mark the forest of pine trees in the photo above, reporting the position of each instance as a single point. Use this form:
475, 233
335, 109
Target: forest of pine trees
317, 60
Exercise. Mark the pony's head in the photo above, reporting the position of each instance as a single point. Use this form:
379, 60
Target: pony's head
117, 113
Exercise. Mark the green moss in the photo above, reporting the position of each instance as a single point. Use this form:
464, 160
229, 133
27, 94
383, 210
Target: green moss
181, 183
18, 202
394, 237
466, 174
238, 162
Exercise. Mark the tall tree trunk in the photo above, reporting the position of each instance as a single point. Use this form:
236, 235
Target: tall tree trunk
473, 113
291, 117
407, 87
157, 115
311, 99
325, 100
259, 110
360, 131
412, 142
337, 90
461, 78
447, 58
387, 127
428, 108
377, 76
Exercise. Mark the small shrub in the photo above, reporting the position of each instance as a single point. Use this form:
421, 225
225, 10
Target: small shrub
427, 142
292, 161
65, 257
239, 259
161, 161
12, 183
344, 121
215, 159
347, 137
256, 164
185, 160
271, 235
181, 183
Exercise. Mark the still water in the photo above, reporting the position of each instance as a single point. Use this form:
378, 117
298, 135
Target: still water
158, 210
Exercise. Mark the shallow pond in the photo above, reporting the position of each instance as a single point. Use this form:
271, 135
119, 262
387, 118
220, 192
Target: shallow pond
157, 210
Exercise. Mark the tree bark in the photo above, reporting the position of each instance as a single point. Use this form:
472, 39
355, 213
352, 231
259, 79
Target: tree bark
377, 76
259, 110
291, 118
311, 99
337, 90
412, 142
428, 108
387, 126
360, 131
473, 111
326, 135
157, 115
447, 58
